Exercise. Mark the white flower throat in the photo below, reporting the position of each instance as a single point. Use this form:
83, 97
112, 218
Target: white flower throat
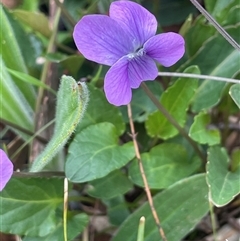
138, 53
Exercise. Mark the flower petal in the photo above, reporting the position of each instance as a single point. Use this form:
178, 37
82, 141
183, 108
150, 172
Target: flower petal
137, 20
116, 84
141, 68
6, 169
125, 74
101, 39
166, 48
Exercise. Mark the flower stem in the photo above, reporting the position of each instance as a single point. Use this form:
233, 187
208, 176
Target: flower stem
213, 221
162, 109
219, 28
147, 189
198, 76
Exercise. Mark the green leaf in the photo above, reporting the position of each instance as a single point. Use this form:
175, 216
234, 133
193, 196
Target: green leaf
235, 94
29, 79
164, 165
36, 21
220, 9
176, 100
75, 225
186, 25
180, 208
32, 203
30, 5
99, 110
117, 210
71, 104
235, 160
112, 185
226, 64
223, 184
233, 16
95, 152
12, 54
12, 42
197, 35
14, 106
141, 105
201, 133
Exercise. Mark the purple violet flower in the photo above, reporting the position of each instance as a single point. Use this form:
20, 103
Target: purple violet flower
6, 169
126, 41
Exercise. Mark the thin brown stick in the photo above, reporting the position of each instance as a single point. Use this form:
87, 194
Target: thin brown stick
147, 189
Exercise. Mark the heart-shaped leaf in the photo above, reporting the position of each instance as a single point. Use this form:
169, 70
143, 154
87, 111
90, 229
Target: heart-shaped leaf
200, 132
95, 152
164, 165
223, 184
75, 225
31, 202
112, 185
235, 94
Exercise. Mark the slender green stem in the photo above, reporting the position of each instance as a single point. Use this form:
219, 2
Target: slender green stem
66, 14
213, 221
32, 137
92, 7
97, 76
216, 25
26, 131
141, 227
199, 76
66, 48
38, 174
162, 109
65, 209
3, 132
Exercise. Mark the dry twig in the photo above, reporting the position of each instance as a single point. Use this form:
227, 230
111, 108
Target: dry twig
147, 189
